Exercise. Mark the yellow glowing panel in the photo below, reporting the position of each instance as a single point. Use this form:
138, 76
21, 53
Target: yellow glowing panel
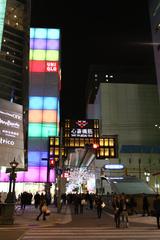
112, 152
111, 142
105, 142
49, 116
51, 141
35, 116
106, 152
56, 151
56, 141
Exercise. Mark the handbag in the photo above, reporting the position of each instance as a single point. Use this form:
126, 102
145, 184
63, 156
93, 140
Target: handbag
83, 202
44, 208
48, 212
103, 205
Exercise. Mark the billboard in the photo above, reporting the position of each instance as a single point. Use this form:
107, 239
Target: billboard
11, 134
2, 16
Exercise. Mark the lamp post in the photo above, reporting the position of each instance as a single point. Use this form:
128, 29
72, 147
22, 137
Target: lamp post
12, 180
147, 175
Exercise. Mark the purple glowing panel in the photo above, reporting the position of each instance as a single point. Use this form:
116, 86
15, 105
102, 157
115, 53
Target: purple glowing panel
35, 159
34, 174
52, 44
44, 44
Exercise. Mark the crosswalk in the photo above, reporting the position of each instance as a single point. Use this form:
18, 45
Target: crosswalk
98, 233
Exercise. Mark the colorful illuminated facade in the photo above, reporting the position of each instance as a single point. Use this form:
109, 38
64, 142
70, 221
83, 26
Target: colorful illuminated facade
44, 67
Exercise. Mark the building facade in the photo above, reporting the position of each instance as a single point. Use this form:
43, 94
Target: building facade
131, 112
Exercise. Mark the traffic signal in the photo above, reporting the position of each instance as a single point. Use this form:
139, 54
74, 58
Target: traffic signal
95, 145
51, 163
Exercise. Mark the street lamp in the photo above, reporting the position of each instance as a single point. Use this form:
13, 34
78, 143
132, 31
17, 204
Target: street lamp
147, 175
12, 180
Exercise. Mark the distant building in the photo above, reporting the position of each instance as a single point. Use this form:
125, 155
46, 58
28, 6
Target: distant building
129, 108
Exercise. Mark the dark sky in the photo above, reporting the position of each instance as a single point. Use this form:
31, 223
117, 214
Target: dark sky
109, 32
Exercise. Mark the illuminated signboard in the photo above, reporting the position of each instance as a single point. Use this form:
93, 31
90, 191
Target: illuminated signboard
11, 133
2, 15
82, 128
114, 166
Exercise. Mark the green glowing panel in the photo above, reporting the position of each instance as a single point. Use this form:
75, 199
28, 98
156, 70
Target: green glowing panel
49, 130
35, 130
38, 54
42, 130
52, 55
2, 15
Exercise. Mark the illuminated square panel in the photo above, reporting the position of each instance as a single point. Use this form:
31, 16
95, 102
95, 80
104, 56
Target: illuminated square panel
32, 33
52, 55
49, 129
42, 130
37, 66
53, 34
40, 33
35, 116
35, 130
50, 103
49, 116
37, 54
36, 103
35, 158
44, 44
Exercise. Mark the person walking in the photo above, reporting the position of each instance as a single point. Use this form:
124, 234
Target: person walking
156, 205
116, 208
43, 209
36, 200
145, 205
99, 202
124, 202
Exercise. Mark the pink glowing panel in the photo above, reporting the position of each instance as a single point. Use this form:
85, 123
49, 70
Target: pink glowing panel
52, 44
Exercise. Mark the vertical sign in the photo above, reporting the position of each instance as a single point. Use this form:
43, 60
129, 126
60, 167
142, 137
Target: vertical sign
2, 15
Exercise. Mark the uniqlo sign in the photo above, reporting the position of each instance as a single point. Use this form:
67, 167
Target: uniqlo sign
52, 67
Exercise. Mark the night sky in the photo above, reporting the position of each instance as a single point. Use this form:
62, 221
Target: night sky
102, 32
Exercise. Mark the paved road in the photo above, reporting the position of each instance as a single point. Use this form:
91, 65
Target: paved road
94, 233
67, 225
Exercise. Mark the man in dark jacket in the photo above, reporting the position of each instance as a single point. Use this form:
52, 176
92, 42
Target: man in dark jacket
156, 205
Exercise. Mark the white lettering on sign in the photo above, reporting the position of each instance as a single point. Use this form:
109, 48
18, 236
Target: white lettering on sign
6, 141
52, 67
78, 132
8, 123
13, 115
10, 133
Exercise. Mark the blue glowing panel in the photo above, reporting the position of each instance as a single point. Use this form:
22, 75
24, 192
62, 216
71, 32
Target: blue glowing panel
35, 159
50, 103
40, 33
32, 31
53, 34
35, 102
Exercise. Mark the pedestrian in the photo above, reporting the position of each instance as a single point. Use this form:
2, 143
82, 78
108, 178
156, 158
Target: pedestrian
156, 205
98, 202
43, 209
116, 208
36, 200
145, 205
124, 203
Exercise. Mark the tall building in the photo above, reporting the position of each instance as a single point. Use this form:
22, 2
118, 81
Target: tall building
126, 104
14, 50
14, 60
154, 12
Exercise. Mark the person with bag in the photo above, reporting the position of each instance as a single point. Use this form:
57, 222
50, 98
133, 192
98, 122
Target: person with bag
43, 209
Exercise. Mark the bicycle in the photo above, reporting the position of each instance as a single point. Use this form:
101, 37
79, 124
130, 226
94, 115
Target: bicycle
18, 211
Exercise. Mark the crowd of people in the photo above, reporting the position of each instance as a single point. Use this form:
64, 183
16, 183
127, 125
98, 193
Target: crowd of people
121, 205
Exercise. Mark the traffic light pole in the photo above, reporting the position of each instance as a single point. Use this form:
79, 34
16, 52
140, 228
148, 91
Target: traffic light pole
60, 165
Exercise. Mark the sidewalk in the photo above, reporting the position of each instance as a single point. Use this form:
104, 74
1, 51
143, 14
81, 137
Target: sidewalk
28, 218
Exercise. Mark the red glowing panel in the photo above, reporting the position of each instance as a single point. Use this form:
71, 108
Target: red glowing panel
51, 67
37, 66
50, 116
